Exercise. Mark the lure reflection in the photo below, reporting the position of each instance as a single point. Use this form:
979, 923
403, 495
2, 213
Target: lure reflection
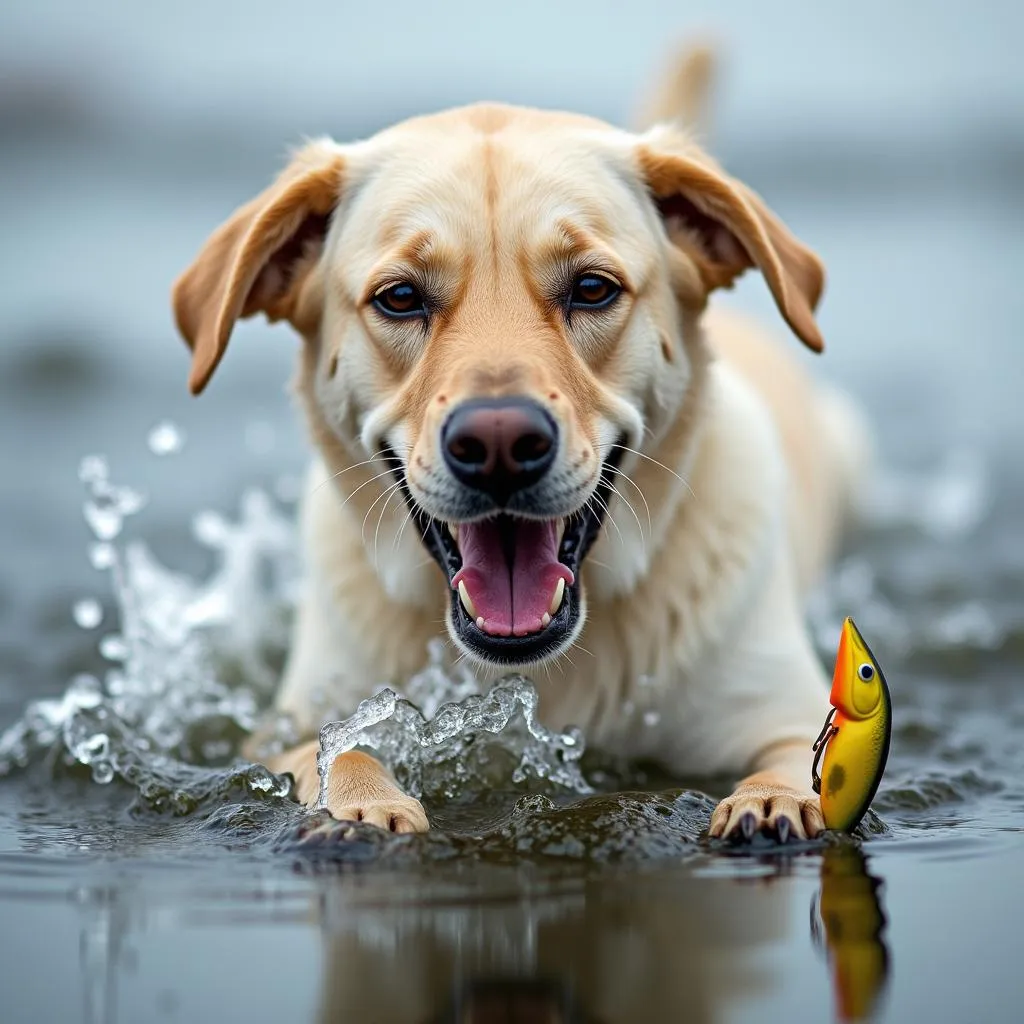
855, 738
848, 921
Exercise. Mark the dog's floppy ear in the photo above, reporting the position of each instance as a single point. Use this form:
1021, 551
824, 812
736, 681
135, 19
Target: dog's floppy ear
726, 229
258, 259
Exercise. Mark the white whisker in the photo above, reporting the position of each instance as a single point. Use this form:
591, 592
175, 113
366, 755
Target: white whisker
401, 529
579, 647
386, 494
650, 524
623, 498
609, 516
655, 462
348, 469
380, 519
365, 483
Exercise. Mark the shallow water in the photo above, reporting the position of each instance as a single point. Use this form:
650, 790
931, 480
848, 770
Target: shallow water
188, 886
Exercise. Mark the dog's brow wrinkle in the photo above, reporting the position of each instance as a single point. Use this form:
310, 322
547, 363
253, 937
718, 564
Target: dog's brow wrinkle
574, 237
416, 249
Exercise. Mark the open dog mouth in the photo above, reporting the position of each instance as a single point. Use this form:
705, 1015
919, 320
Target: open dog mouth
515, 589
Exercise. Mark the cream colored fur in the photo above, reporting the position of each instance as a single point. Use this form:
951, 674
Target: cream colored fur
693, 590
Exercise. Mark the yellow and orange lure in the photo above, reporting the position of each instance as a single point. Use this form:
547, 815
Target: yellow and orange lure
855, 739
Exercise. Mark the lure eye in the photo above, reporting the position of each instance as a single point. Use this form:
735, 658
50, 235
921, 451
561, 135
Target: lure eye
866, 673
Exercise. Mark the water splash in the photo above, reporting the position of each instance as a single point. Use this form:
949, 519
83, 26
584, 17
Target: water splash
439, 753
191, 659
193, 663
108, 505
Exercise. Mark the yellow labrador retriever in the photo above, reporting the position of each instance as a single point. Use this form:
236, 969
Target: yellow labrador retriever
534, 438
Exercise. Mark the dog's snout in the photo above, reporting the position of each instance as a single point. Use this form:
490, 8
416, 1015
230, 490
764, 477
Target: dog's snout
499, 446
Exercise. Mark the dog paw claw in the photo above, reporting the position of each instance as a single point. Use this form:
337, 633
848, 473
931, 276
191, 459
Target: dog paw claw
775, 812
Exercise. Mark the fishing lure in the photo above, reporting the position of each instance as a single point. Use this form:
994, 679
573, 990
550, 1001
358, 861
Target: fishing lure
855, 738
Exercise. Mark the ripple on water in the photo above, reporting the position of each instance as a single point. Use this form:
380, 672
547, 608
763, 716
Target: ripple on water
613, 828
933, 790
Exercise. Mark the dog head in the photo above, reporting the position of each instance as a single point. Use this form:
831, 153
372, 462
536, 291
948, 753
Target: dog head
501, 315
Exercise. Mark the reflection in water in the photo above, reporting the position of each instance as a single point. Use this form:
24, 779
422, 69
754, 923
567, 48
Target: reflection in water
631, 946
515, 1001
848, 920
106, 924
472, 942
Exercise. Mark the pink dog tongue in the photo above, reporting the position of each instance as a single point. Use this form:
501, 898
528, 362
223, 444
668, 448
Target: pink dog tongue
511, 599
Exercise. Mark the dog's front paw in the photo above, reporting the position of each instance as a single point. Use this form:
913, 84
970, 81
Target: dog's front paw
395, 812
770, 809
361, 789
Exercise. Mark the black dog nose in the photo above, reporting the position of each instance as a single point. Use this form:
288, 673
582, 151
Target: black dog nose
499, 445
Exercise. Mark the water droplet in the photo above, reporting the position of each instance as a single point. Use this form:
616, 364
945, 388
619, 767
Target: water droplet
533, 803
88, 613
128, 501
94, 748
103, 772
108, 507
113, 647
84, 691
263, 781
102, 555
92, 470
651, 719
166, 438
104, 520
210, 528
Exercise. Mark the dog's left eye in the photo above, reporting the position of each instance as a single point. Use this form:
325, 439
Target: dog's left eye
400, 301
592, 291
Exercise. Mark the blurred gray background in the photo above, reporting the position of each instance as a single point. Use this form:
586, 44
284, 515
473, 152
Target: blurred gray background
890, 136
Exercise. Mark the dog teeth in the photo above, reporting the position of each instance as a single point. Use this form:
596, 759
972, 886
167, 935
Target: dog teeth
556, 598
467, 602
545, 620
453, 529
480, 623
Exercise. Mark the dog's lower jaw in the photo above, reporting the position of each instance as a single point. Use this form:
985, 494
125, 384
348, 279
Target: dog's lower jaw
490, 669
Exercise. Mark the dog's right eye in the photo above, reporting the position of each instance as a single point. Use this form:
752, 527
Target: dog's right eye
593, 291
400, 301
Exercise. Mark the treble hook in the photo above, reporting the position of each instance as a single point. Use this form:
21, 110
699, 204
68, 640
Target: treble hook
828, 730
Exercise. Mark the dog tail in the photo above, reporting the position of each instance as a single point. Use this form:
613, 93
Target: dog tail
681, 96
